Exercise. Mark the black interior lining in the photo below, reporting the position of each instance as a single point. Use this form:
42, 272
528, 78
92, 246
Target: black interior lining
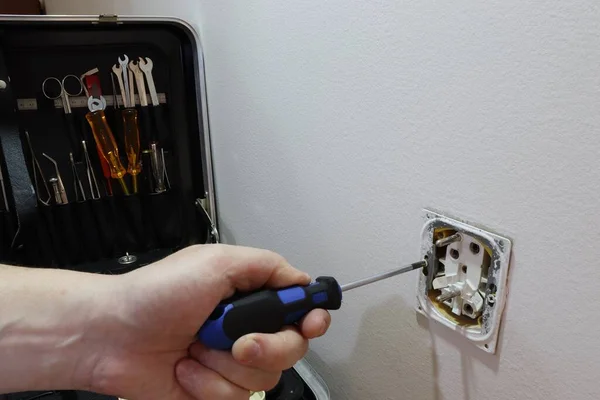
38, 50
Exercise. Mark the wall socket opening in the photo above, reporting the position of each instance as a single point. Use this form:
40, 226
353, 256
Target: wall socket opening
464, 284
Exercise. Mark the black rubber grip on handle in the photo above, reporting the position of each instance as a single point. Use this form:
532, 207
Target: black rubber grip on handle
267, 311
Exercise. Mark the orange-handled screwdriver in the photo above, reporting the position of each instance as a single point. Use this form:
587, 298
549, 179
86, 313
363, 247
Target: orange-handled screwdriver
132, 144
105, 170
105, 141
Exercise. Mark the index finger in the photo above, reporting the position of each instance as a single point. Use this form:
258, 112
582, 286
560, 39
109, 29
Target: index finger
272, 352
245, 269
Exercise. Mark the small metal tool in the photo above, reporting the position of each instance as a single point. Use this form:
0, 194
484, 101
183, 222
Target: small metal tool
118, 71
94, 190
115, 98
162, 152
146, 66
124, 63
96, 103
69, 86
61, 90
6, 207
37, 170
139, 80
59, 182
57, 196
157, 163
131, 88
79, 192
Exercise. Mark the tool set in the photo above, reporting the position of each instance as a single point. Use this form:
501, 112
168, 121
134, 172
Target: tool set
140, 213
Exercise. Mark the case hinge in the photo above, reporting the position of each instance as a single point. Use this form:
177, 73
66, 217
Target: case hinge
110, 18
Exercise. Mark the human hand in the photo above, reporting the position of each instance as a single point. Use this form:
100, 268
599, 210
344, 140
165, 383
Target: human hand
147, 350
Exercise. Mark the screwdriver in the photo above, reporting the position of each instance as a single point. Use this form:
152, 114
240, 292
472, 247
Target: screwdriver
132, 144
107, 145
105, 171
267, 311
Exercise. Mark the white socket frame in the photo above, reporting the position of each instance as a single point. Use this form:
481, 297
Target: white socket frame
484, 336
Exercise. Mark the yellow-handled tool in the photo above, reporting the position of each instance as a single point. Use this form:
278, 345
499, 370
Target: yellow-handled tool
107, 145
132, 144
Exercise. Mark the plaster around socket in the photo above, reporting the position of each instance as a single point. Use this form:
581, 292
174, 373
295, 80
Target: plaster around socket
464, 286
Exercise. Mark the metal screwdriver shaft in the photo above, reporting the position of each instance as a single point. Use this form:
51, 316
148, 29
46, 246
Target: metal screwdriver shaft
382, 276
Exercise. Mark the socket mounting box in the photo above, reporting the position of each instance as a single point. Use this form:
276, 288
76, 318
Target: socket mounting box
464, 285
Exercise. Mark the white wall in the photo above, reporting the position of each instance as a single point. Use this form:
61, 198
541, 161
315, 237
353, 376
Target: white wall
335, 123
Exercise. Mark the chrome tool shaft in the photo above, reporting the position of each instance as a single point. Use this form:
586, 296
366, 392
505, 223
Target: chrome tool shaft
382, 276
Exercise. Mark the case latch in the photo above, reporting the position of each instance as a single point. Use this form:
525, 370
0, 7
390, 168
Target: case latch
110, 18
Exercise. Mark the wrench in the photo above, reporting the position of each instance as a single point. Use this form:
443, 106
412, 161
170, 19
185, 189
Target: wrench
146, 66
139, 80
131, 90
96, 103
118, 71
123, 64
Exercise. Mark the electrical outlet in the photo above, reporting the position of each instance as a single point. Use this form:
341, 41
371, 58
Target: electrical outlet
464, 284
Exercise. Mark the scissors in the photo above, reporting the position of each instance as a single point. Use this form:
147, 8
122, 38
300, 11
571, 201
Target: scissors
69, 86
62, 92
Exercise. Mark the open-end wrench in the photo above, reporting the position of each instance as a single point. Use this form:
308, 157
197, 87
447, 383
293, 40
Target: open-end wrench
123, 64
118, 71
139, 80
96, 103
131, 89
146, 66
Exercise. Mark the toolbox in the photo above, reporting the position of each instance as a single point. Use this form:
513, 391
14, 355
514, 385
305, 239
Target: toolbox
105, 158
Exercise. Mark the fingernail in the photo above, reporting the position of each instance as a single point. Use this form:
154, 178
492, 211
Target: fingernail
251, 351
323, 327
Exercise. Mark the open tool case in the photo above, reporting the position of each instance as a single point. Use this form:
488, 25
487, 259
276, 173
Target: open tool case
71, 214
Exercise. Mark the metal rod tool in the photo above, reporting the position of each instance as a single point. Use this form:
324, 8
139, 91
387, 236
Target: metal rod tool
36, 170
6, 207
89, 170
79, 192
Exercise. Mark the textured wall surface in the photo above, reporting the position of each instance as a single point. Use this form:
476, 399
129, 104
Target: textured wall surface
334, 123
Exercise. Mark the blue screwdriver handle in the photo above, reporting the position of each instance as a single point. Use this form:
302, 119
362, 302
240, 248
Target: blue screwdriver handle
267, 311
